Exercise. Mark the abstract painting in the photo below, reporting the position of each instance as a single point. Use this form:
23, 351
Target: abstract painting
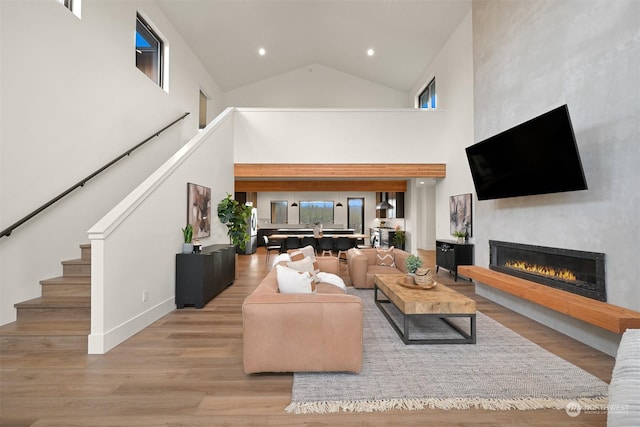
460, 213
199, 210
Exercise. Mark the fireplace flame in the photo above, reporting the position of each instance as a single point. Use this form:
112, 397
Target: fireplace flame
562, 274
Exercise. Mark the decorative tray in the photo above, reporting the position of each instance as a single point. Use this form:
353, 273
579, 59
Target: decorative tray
424, 288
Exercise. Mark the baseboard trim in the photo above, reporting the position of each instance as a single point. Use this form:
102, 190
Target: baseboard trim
100, 343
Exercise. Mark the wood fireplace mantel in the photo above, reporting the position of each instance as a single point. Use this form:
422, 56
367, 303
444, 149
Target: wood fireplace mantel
604, 315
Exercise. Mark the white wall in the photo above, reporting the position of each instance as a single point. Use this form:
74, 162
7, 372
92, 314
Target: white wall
340, 136
316, 85
73, 99
425, 217
134, 245
453, 71
532, 56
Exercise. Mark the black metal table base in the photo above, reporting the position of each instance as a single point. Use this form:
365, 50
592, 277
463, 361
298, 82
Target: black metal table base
404, 333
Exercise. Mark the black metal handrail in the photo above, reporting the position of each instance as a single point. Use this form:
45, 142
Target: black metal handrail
7, 231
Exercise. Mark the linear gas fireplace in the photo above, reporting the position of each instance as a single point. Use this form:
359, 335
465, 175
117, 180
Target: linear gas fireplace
580, 272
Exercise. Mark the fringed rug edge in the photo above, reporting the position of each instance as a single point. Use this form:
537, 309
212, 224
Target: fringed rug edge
434, 403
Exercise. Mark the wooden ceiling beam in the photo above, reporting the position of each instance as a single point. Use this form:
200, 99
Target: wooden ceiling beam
326, 185
340, 170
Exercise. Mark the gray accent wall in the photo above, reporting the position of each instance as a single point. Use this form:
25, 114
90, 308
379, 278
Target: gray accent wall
530, 57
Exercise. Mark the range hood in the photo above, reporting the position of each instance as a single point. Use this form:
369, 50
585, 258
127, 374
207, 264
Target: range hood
384, 204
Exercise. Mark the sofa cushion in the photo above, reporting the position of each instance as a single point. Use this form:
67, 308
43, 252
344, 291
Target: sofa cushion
280, 258
294, 282
331, 279
624, 407
385, 257
306, 264
298, 254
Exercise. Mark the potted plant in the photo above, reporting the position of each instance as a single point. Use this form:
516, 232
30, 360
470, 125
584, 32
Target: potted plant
460, 235
399, 239
236, 217
187, 234
413, 262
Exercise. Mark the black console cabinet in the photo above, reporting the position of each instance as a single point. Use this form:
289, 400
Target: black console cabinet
450, 254
201, 276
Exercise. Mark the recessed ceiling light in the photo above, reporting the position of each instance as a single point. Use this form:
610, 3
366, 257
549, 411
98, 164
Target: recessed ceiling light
262, 52
370, 52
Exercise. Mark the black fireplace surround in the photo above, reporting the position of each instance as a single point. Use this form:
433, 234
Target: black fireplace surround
579, 272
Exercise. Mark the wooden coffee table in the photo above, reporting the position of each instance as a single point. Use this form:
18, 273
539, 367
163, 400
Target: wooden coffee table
440, 302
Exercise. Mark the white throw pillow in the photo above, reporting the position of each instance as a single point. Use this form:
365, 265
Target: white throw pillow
305, 264
280, 258
293, 282
300, 253
332, 279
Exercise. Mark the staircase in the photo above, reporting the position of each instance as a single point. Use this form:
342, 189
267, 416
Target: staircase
58, 320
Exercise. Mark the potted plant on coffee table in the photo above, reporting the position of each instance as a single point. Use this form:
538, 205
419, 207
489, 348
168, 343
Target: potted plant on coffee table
236, 217
413, 262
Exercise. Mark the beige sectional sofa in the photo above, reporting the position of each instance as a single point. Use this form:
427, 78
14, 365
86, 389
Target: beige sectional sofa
363, 266
302, 332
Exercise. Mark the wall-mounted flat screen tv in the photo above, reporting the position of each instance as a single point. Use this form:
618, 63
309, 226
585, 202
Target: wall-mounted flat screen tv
538, 156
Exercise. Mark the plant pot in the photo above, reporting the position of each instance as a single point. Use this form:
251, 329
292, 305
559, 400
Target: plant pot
460, 239
187, 248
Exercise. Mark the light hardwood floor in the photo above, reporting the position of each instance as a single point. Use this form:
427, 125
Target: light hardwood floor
186, 370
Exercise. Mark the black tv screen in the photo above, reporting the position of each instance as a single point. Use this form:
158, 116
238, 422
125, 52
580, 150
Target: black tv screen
538, 156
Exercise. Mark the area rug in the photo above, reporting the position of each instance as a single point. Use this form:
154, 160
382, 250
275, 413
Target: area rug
502, 371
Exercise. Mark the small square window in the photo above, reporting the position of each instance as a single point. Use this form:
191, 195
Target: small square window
148, 51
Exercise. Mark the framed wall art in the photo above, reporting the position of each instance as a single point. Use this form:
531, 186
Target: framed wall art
199, 210
460, 214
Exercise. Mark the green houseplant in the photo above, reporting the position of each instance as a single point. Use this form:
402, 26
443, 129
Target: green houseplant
413, 263
236, 217
399, 239
460, 235
187, 234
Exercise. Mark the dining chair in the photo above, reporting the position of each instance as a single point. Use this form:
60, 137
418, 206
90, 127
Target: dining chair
309, 241
326, 245
343, 244
292, 242
270, 247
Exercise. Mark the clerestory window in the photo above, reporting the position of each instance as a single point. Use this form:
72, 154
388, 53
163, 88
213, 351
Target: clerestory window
148, 51
427, 99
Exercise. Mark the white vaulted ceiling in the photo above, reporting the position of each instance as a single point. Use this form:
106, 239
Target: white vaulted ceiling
405, 34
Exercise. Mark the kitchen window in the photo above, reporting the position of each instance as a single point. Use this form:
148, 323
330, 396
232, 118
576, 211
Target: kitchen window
279, 212
355, 214
316, 211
